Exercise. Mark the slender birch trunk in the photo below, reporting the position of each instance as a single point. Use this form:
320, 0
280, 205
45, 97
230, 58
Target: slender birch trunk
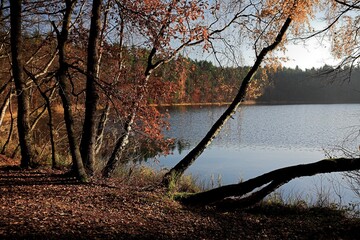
178, 170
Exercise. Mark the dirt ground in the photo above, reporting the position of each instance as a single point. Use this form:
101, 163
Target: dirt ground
43, 204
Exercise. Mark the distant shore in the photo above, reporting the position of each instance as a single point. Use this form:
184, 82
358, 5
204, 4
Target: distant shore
201, 104
250, 102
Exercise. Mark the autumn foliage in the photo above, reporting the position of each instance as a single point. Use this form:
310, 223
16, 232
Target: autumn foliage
140, 61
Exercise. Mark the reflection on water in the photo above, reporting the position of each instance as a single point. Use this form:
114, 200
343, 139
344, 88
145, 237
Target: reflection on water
262, 138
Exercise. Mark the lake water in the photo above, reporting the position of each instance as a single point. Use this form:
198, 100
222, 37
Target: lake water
263, 138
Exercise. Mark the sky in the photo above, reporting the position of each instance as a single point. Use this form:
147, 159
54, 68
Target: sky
313, 54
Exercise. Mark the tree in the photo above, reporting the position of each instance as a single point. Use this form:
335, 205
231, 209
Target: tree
4, 106
64, 91
162, 22
344, 19
290, 10
157, 30
175, 173
88, 139
267, 183
22, 89
132, 73
342, 26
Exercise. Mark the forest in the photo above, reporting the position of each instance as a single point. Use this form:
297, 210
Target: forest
207, 83
311, 86
80, 82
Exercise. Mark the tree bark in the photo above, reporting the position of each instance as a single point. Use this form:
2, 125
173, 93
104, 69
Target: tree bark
101, 128
119, 147
64, 92
3, 150
124, 139
22, 91
54, 164
272, 180
88, 140
176, 172
4, 106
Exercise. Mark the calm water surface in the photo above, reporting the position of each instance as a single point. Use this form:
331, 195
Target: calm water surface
263, 138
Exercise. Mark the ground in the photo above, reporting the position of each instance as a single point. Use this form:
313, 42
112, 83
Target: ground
43, 204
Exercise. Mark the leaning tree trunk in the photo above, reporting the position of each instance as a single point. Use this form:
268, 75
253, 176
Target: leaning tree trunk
22, 91
232, 195
88, 140
64, 92
176, 172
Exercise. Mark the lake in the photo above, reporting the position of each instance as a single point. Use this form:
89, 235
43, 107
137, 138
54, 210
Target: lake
263, 138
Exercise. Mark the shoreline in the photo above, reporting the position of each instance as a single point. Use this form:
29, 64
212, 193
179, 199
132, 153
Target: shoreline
200, 104
246, 103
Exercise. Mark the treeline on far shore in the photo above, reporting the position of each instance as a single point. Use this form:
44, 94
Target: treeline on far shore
324, 85
207, 83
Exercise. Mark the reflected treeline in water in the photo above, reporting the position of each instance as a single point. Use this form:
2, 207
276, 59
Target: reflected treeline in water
181, 145
145, 153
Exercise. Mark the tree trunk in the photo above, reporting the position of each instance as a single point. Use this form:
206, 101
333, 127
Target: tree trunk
119, 147
176, 172
3, 150
64, 92
271, 181
4, 106
52, 138
22, 91
124, 139
51, 126
88, 140
48, 108
101, 128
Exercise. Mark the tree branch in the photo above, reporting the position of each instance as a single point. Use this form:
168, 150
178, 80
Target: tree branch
355, 6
